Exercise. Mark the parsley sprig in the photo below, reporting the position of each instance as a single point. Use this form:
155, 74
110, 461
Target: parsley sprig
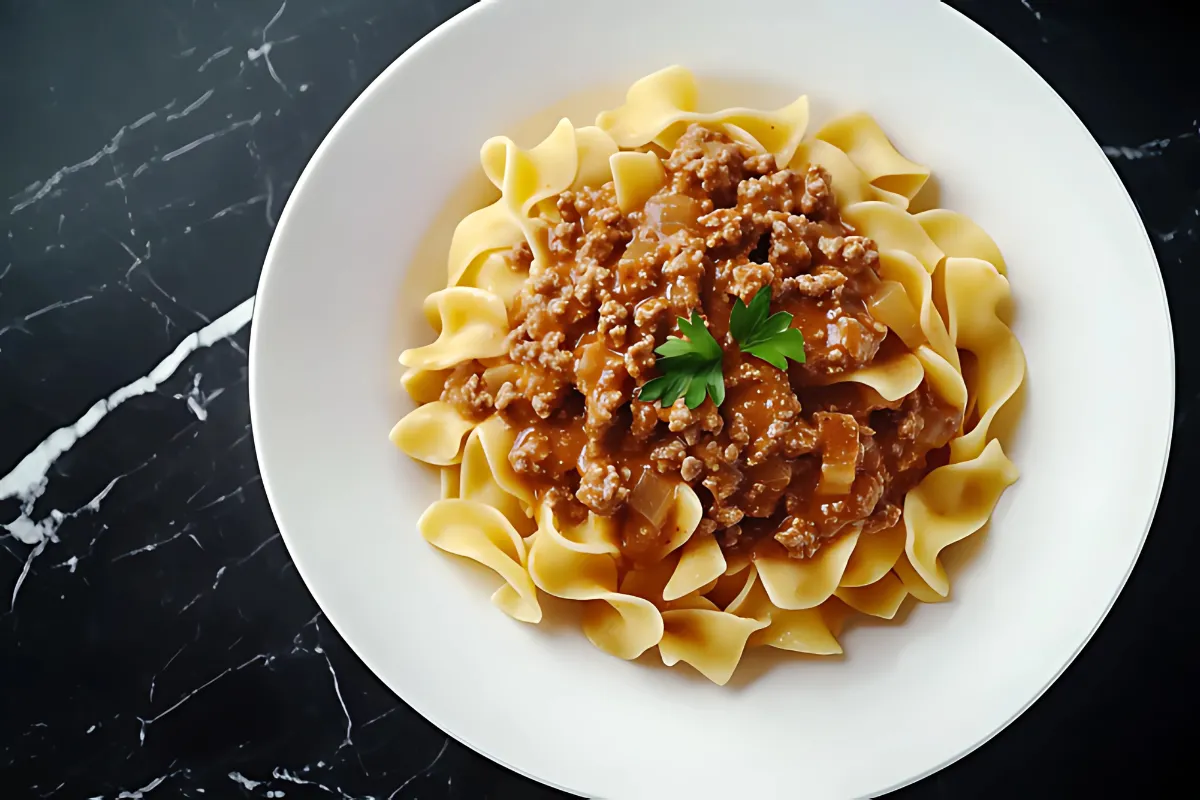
771, 338
691, 367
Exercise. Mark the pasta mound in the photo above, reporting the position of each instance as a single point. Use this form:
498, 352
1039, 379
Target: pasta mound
752, 518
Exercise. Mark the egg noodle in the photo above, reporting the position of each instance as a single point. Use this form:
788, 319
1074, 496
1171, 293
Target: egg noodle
693, 599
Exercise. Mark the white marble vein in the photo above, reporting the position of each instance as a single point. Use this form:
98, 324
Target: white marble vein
145, 723
337, 690
25, 529
1152, 148
224, 51
240, 205
428, 768
199, 101
243, 781
1148, 150
149, 548
17, 324
39, 189
154, 677
198, 399
34, 553
139, 794
281, 774
263, 51
208, 137
256, 550
27, 481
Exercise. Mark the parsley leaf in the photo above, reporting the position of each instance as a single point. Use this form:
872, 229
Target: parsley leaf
771, 338
690, 367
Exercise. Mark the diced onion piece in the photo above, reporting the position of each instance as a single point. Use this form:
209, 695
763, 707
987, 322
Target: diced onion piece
636, 249
630, 267
592, 358
652, 497
774, 473
891, 306
838, 434
497, 376
638, 537
671, 213
767, 482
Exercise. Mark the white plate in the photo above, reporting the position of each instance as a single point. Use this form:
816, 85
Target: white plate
340, 298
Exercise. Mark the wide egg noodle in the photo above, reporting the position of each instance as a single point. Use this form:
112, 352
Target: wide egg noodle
893, 378
914, 583
473, 324
727, 587
595, 148
975, 293
849, 184
874, 556
738, 561
596, 535
477, 483
890, 304
882, 598
488, 229
660, 107
622, 625
800, 583
904, 268
497, 440
701, 562
482, 534
864, 142
432, 433
944, 378
950, 504
636, 176
960, 237
695, 630
527, 179
894, 229
424, 386
708, 639
492, 273
649, 580
799, 631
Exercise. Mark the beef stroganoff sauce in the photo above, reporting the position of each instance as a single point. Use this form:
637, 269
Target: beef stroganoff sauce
707, 529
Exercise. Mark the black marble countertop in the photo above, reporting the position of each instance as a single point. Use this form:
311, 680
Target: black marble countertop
155, 640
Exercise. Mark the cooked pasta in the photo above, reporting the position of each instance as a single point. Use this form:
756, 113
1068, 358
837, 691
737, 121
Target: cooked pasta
610, 431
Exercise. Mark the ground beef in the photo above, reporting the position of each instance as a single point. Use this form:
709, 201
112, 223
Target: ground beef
728, 223
466, 391
601, 489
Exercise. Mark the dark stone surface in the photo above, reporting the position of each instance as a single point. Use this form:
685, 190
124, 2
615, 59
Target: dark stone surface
160, 642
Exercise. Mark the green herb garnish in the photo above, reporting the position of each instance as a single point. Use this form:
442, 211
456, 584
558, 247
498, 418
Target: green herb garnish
691, 367
771, 338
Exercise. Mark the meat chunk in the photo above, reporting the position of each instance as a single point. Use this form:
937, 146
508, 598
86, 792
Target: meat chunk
601, 489
709, 161
467, 392
761, 410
